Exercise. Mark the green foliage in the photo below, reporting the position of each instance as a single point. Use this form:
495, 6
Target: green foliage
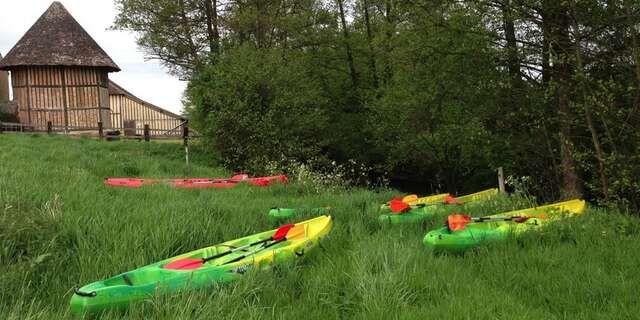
434, 93
257, 107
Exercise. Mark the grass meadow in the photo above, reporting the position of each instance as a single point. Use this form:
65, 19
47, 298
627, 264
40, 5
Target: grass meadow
61, 228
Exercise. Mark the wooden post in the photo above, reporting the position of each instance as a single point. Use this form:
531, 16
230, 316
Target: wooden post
146, 133
185, 137
65, 99
49, 127
501, 180
100, 132
1, 128
27, 71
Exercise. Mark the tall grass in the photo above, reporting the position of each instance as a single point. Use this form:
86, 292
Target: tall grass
60, 227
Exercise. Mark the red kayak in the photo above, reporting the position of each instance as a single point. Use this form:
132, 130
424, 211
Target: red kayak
198, 183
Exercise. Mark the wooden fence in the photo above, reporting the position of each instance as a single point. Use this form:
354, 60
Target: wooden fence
180, 131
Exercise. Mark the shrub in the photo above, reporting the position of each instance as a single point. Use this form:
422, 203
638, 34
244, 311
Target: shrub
255, 107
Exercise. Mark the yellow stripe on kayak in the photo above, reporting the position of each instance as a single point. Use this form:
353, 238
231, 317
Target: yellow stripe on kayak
429, 199
312, 231
572, 207
478, 196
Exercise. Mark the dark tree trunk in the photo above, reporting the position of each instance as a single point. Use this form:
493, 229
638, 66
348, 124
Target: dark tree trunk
188, 32
602, 172
561, 48
213, 36
345, 32
388, 4
513, 61
372, 59
260, 28
636, 59
546, 67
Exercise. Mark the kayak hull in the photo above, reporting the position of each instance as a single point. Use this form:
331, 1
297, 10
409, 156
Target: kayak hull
415, 215
285, 213
475, 234
155, 279
198, 183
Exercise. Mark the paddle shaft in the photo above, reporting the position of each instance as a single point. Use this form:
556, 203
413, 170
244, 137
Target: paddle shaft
219, 255
254, 251
490, 219
422, 205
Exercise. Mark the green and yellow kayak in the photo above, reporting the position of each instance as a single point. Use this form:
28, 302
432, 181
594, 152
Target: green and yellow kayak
475, 233
415, 201
202, 268
425, 209
285, 213
478, 196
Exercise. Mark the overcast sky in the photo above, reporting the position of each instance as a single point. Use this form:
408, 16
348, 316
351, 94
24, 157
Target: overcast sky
146, 79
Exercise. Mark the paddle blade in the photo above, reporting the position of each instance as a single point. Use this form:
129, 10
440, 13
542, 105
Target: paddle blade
296, 233
457, 222
451, 200
282, 232
410, 198
184, 264
398, 206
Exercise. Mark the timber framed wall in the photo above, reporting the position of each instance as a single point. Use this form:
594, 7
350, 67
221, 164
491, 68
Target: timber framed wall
128, 111
4, 85
73, 98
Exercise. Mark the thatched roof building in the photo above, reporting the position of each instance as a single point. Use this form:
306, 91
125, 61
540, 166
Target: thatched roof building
57, 39
60, 75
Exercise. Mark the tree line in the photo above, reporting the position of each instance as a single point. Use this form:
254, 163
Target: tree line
435, 91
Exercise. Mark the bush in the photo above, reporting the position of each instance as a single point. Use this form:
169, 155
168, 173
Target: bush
256, 107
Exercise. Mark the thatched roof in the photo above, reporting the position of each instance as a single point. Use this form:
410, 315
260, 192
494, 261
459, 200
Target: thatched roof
57, 39
115, 89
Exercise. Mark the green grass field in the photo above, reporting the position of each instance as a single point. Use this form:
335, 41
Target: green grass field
61, 228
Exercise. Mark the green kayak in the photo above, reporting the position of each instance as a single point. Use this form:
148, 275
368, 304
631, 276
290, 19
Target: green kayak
425, 211
202, 268
475, 233
284, 213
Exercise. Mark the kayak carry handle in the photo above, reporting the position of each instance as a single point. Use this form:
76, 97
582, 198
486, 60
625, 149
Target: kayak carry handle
84, 294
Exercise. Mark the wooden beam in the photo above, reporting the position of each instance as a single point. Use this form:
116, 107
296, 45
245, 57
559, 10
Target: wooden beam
65, 103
